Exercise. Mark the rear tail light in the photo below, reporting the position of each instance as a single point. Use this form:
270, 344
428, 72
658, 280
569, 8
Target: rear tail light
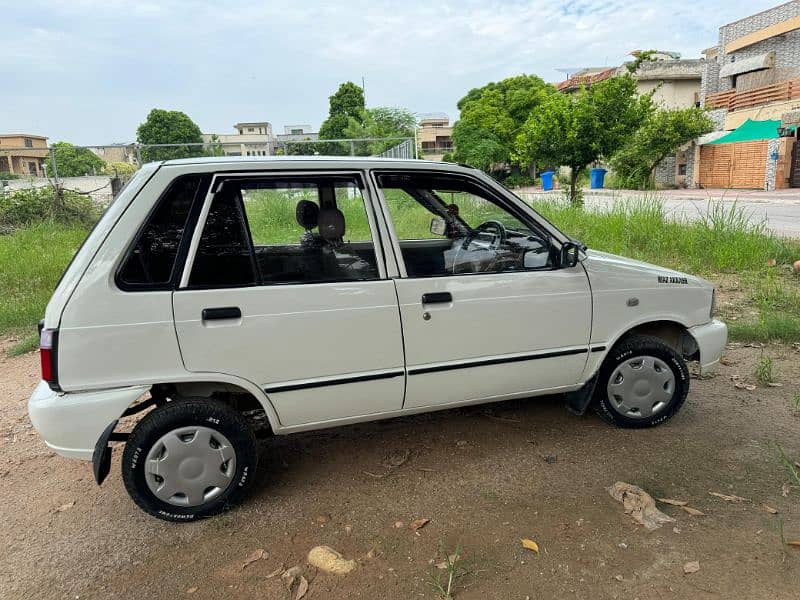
48, 339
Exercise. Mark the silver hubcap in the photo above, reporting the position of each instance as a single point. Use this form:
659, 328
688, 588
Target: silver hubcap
641, 387
190, 466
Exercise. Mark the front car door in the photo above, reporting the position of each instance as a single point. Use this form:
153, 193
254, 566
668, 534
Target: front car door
285, 287
486, 313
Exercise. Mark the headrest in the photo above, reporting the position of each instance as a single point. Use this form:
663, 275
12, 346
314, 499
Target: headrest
331, 224
307, 214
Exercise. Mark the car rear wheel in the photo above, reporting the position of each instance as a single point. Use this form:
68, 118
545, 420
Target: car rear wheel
642, 383
189, 459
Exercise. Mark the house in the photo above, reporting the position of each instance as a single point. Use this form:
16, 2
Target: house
116, 153
23, 154
293, 134
751, 86
250, 139
673, 82
435, 135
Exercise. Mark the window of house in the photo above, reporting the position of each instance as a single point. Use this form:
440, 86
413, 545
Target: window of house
32, 168
448, 225
682, 169
151, 262
297, 131
272, 231
28, 143
250, 130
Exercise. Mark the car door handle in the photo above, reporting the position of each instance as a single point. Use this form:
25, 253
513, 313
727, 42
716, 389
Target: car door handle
437, 298
225, 312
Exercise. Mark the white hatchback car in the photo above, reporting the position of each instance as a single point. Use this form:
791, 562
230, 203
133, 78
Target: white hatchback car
316, 292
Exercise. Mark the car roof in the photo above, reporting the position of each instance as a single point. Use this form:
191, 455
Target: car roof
355, 162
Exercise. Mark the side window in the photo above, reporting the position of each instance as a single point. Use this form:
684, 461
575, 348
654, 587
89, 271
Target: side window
449, 225
269, 231
150, 263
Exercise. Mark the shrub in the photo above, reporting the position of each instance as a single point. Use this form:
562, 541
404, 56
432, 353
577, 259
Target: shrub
22, 208
122, 169
6, 176
516, 180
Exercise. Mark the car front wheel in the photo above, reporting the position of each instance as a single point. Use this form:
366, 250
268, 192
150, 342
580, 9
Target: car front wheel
642, 383
189, 459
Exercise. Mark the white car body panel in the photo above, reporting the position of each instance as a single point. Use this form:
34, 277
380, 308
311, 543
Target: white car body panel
297, 346
299, 335
494, 317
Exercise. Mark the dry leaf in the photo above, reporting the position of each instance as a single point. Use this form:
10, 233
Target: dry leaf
452, 559
692, 566
191, 590
774, 384
276, 572
302, 588
253, 557
66, 506
744, 386
639, 505
290, 575
530, 545
769, 509
728, 498
693, 511
793, 543
785, 490
418, 524
673, 502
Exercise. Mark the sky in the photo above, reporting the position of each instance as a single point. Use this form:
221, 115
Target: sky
89, 71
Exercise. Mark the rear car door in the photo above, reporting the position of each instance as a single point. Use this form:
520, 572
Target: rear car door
284, 286
486, 312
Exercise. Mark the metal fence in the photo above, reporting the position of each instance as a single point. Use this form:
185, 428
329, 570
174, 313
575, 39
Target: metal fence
101, 171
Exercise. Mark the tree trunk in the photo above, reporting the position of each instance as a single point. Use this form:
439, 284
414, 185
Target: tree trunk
575, 197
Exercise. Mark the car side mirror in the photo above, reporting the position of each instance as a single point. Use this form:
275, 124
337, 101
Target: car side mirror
570, 254
438, 226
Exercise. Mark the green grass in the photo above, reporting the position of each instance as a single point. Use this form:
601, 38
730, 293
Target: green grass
765, 370
31, 262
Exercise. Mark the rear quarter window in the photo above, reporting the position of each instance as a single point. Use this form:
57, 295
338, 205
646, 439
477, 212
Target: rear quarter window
152, 260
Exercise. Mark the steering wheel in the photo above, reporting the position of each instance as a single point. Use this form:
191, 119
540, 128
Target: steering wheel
499, 238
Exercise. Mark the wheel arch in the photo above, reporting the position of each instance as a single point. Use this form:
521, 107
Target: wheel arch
225, 388
671, 331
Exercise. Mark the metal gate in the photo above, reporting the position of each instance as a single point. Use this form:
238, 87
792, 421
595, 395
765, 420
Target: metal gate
736, 165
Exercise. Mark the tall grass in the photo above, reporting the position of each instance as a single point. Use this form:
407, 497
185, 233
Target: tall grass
32, 260
721, 241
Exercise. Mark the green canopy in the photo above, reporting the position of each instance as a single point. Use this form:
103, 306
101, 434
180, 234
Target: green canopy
751, 130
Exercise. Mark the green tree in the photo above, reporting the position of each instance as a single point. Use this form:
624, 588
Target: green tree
380, 122
74, 162
169, 127
491, 117
214, 147
577, 129
662, 133
345, 104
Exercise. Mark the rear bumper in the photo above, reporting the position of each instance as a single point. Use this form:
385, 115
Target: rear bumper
711, 339
71, 423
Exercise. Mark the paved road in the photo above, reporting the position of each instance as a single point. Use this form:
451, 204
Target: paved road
780, 209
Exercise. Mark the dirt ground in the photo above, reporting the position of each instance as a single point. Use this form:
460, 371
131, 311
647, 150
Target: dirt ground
485, 477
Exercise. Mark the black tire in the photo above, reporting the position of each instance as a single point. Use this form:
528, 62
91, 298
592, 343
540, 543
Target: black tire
630, 348
185, 413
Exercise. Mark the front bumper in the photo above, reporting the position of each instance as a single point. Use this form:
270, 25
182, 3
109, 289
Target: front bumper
711, 339
71, 423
